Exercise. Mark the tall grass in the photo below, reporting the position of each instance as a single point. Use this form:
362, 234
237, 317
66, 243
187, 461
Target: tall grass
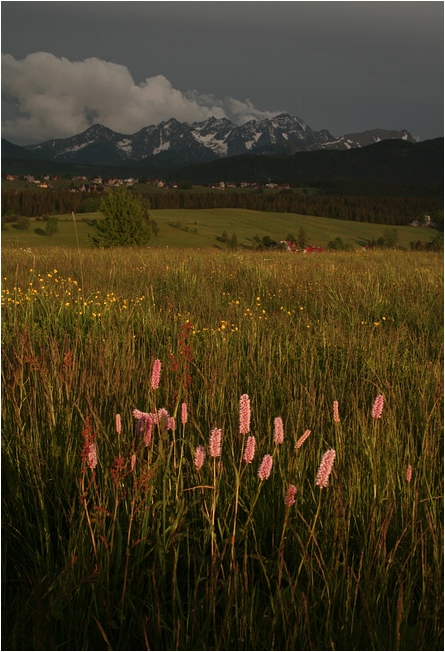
150, 550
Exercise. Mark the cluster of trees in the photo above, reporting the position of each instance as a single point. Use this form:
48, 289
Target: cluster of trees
389, 238
266, 242
22, 223
436, 244
338, 245
36, 203
231, 242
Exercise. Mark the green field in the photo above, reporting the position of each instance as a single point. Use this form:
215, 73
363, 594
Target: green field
213, 222
115, 538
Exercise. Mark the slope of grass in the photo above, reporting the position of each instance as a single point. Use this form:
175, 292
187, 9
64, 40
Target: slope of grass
199, 229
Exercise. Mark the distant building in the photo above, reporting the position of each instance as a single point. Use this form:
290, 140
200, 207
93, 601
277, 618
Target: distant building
288, 245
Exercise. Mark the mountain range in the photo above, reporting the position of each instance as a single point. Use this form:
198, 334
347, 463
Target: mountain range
178, 143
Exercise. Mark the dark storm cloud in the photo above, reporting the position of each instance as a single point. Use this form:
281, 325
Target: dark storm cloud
344, 66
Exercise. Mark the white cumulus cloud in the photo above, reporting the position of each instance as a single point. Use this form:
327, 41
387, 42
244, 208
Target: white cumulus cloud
49, 97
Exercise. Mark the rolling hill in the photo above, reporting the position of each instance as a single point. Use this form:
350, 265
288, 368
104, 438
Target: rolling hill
194, 229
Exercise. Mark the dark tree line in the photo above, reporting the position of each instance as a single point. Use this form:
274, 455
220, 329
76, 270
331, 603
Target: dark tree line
36, 203
393, 211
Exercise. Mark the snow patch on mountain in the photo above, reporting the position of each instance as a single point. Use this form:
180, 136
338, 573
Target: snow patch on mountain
219, 146
163, 147
125, 146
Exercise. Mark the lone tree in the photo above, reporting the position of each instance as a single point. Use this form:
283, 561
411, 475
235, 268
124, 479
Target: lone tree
52, 225
126, 221
390, 237
302, 238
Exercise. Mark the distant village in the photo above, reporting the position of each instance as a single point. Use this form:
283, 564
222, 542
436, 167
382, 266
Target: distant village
99, 184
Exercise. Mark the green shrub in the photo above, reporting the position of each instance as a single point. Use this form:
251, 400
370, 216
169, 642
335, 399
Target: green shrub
52, 225
22, 223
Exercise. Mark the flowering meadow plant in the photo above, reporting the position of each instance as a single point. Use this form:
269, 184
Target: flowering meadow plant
265, 467
336, 414
278, 435
156, 374
377, 408
244, 414
302, 439
325, 469
215, 442
249, 452
200, 455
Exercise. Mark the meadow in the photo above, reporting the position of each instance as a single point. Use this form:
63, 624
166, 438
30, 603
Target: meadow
199, 228
138, 511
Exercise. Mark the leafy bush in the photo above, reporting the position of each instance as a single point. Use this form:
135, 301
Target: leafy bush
52, 225
10, 217
338, 245
22, 223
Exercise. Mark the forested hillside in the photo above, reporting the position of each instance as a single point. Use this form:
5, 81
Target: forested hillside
373, 209
379, 210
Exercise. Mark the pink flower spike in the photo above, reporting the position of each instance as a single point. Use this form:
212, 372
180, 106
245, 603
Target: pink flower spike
249, 451
184, 415
278, 435
377, 408
325, 469
409, 473
215, 442
265, 467
156, 374
244, 414
200, 456
302, 439
92, 456
163, 419
289, 499
118, 424
171, 423
133, 462
336, 414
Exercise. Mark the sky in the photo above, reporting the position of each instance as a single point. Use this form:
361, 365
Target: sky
341, 66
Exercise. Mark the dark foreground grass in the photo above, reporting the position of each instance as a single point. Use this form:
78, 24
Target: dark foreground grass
142, 550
